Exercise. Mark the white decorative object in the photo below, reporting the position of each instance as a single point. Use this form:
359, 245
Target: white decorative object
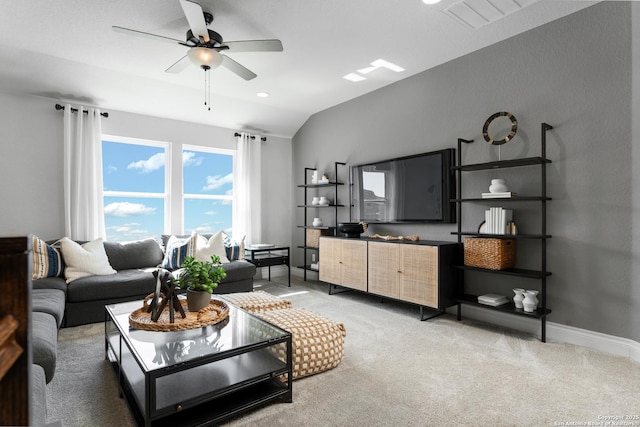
315, 201
324, 201
517, 300
498, 186
317, 222
314, 177
530, 301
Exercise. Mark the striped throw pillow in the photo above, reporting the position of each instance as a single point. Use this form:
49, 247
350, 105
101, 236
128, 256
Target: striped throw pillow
234, 248
47, 259
177, 250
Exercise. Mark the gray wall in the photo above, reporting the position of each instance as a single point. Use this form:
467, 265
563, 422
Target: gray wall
575, 74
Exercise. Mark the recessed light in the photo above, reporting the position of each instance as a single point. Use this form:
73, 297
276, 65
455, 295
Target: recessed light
262, 94
354, 77
381, 63
430, 1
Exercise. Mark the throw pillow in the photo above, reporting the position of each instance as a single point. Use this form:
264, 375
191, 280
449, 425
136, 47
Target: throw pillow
234, 248
177, 250
89, 259
214, 246
47, 259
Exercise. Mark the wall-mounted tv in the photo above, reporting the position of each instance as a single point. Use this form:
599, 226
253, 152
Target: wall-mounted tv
411, 189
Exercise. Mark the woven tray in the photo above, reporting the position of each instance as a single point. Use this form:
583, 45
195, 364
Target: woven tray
215, 312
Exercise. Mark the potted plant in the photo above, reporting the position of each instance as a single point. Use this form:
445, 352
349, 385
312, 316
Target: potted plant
200, 278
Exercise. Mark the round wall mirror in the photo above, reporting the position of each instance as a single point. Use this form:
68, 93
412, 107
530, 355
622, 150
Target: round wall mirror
500, 128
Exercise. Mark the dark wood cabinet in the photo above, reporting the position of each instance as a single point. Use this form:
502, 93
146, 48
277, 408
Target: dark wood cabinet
15, 327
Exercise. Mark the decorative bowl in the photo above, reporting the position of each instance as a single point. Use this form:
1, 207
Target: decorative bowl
351, 229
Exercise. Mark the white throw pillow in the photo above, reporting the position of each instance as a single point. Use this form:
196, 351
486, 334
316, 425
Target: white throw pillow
214, 246
84, 260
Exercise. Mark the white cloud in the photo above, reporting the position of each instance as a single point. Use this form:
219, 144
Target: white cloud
211, 213
111, 169
127, 209
152, 163
217, 181
189, 159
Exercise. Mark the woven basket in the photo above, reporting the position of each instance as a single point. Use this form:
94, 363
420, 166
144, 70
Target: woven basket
215, 312
492, 254
313, 236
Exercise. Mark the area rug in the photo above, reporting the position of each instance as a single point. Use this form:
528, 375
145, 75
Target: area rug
396, 370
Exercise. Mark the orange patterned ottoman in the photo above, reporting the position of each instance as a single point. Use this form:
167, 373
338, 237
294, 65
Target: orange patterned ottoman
317, 342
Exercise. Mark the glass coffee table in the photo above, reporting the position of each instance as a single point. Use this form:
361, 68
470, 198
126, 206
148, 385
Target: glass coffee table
198, 376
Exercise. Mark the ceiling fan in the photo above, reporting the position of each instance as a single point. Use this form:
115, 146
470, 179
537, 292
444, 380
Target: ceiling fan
206, 46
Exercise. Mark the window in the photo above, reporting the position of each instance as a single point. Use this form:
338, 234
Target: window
135, 182
207, 180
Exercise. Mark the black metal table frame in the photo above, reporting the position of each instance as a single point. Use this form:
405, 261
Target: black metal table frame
154, 415
269, 259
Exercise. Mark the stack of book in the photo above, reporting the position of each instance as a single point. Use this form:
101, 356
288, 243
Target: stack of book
492, 299
500, 195
498, 221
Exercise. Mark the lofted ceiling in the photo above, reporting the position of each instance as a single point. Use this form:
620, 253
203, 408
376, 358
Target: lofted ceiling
66, 50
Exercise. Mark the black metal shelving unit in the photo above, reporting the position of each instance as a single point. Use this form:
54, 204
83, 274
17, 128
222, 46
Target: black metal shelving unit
334, 205
542, 274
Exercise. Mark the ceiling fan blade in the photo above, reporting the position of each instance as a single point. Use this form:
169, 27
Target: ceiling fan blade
146, 35
195, 17
255, 46
240, 70
179, 65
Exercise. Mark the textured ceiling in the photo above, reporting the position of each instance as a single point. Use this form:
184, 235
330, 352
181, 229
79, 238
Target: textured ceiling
67, 50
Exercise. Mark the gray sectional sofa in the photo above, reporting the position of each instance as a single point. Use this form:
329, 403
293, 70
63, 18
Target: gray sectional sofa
57, 304
134, 262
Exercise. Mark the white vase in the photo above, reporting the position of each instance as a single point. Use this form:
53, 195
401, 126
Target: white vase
317, 222
323, 201
530, 301
519, 297
498, 186
315, 201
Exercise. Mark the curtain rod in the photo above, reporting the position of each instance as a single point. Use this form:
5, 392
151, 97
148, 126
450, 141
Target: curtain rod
263, 139
75, 110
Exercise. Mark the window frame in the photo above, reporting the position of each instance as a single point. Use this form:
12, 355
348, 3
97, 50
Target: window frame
167, 146
185, 196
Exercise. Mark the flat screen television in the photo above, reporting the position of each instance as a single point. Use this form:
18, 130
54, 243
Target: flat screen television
411, 189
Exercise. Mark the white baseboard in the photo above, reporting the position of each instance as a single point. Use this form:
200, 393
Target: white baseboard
557, 332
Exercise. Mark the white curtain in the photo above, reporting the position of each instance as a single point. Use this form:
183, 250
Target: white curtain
247, 190
83, 202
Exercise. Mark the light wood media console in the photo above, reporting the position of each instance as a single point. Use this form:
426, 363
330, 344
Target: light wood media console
419, 272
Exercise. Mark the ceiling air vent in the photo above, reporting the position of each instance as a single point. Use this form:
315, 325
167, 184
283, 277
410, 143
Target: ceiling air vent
474, 14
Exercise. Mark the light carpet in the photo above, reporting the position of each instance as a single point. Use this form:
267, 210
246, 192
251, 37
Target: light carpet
396, 371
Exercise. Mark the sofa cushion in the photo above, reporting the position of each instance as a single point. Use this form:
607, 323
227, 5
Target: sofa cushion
47, 259
139, 254
234, 247
177, 249
38, 395
51, 283
238, 270
125, 283
84, 260
206, 248
49, 301
45, 342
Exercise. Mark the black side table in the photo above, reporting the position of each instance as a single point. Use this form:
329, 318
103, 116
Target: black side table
266, 257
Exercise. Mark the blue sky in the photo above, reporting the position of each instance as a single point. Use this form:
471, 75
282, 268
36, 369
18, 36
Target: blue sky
141, 168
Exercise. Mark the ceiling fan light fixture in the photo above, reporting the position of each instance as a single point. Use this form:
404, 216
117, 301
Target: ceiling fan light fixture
204, 57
